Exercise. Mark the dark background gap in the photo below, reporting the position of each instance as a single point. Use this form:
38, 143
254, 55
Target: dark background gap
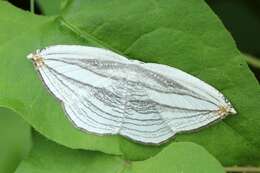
240, 17
25, 5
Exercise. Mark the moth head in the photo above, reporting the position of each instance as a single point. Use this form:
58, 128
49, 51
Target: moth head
37, 59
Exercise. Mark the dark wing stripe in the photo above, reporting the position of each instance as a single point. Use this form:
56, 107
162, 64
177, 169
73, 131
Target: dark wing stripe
185, 92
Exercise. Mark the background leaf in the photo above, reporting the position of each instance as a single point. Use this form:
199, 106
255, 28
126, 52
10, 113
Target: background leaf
15, 140
46, 156
51, 7
183, 34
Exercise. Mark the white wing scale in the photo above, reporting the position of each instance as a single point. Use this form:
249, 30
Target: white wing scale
105, 93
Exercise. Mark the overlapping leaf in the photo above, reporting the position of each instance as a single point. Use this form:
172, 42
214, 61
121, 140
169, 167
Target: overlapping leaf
15, 140
46, 156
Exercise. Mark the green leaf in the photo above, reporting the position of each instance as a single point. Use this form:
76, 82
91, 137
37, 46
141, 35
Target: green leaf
183, 34
51, 7
184, 157
15, 137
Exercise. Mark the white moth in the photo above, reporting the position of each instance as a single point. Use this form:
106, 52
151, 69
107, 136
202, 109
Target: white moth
105, 93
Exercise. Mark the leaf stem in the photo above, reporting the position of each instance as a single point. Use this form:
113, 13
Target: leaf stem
243, 169
255, 62
32, 6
